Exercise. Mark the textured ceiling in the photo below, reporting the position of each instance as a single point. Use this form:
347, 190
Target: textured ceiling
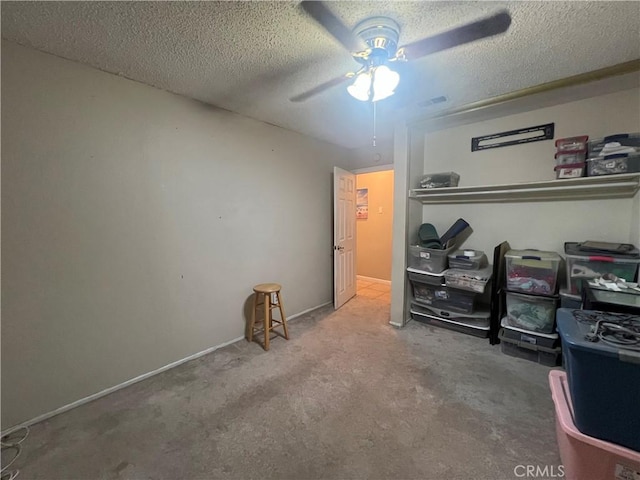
250, 57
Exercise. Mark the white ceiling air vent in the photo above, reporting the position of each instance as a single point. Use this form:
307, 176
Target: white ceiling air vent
433, 101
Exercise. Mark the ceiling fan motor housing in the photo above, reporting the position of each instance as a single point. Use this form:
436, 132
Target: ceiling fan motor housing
381, 36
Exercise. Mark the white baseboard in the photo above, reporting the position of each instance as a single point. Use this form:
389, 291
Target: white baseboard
139, 378
373, 280
293, 317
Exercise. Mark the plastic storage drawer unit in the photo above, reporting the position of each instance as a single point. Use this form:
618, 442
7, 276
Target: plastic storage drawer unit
584, 457
568, 300
522, 336
443, 297
476, 324
436, 279
549, 357
467, 259
604, 380
530, 312
582, 267
532, 271
613, 164
472, 280
428, 259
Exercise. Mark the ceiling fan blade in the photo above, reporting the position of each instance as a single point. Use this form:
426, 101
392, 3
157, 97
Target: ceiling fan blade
332, 24
487, 27
321, 88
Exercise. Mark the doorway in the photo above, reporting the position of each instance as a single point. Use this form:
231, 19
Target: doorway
374, 225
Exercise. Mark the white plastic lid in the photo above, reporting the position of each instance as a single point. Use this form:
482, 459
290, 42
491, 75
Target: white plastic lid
534, 255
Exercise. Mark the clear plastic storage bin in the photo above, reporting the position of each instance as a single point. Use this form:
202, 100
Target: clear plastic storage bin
527, 351
568, 300
582, 268
572, 143
571, 157
613, 164
428, 259
522, 336
532, 271
440, 180
476, 324
624, 139
472, 280
574, 170
442, 297
468, 259
531, 312
436, 279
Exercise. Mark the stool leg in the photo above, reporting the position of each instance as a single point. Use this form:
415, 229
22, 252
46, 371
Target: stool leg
252, 322
267, 319
282, 317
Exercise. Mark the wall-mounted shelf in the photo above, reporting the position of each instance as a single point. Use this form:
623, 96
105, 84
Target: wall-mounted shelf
606, 186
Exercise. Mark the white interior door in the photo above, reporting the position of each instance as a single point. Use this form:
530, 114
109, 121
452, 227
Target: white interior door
344, 236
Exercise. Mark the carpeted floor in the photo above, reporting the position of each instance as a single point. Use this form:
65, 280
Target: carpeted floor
347, 397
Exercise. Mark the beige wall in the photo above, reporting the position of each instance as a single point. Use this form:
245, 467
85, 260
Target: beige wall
135, 223
543, 225
370, 156
374, 234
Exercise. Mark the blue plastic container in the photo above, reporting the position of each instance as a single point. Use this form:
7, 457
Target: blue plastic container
604, 383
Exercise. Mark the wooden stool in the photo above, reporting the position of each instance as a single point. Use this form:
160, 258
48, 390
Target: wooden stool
266, 290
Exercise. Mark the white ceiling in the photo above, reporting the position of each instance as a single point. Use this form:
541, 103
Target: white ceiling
250, 57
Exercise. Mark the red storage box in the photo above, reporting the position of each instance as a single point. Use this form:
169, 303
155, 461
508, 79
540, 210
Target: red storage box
571, 157
584, 457
573, 170
572, 143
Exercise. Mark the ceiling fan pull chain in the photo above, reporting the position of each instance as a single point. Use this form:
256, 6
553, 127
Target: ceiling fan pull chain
374, 123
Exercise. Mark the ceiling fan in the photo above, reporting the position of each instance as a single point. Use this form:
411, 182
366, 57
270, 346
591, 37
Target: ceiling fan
373, 43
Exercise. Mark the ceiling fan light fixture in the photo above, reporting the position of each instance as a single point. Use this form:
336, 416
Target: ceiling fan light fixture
385, 82
361, 87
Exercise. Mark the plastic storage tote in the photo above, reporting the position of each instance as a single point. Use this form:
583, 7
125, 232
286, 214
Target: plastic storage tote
476, 324
568, 300
472, 280
595, 146
443, 297
532, 271
530, 312
604, 380
436, 279
428, 259
574, 170
572, 143
582, 267
613, 164
549, 357
467, 259
584, 457
522, 336
440, 180
571, 157
477, 319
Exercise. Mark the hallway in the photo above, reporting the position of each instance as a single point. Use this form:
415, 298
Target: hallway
368, 289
